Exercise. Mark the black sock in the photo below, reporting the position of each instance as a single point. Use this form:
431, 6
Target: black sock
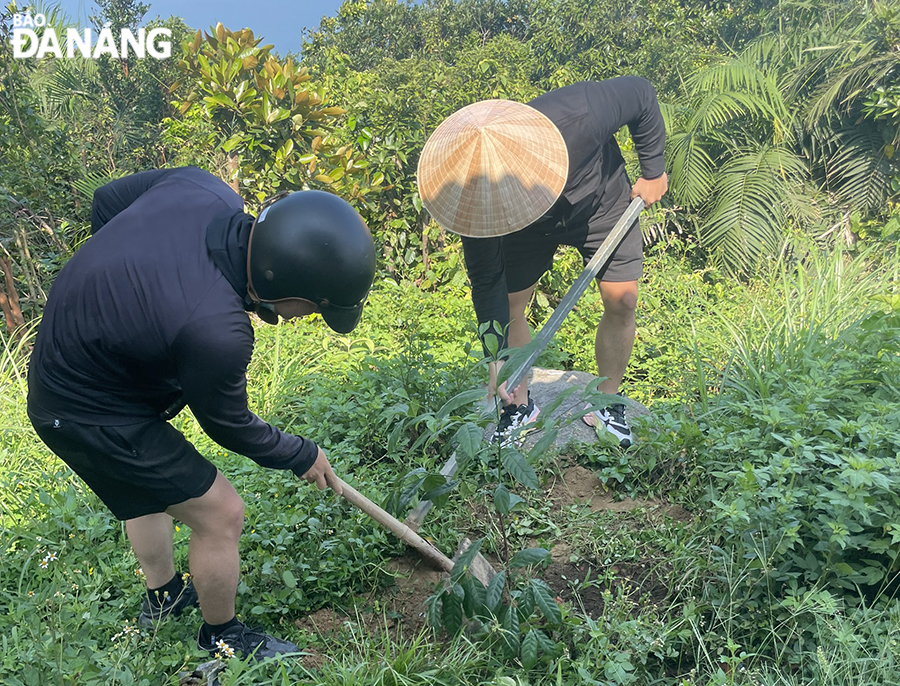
207, 631
173, 588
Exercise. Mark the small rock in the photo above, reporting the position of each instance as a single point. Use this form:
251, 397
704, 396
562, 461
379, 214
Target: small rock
204, 675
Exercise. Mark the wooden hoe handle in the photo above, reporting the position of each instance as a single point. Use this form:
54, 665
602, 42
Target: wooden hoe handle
395, 526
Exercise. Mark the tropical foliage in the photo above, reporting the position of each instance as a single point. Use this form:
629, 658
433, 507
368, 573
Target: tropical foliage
266, 117
781, 135
762, 548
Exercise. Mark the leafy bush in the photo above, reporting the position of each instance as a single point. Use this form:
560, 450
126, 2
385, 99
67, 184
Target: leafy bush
807, 482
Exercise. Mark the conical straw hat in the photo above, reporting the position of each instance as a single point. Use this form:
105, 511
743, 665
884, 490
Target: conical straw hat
492, 168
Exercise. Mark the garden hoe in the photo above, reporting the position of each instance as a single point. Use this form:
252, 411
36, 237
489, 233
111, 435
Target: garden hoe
576, 290
479, 567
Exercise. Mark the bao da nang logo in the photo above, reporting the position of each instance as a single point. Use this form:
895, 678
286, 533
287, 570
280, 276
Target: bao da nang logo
31, 37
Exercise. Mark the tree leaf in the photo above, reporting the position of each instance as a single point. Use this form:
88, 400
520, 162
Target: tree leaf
438, 494
504, 501
528, 557
398, 501
474, 601
545, 442
529, 650
524, 604
518, 468
501, 499
464, 561
451, 613
459, 400
433, 611
289, 580
510, 624
545, 643
546, 604
495, 592
468, 439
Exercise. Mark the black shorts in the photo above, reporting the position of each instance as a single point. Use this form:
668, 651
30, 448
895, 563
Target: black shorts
529, 253
136, 469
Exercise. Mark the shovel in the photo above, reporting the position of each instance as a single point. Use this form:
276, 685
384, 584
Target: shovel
576, 290
480, 568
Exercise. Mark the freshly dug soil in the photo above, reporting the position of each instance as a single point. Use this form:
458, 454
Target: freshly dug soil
399, 609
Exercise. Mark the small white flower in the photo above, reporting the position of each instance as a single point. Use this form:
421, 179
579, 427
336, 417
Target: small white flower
126, 632
224, 648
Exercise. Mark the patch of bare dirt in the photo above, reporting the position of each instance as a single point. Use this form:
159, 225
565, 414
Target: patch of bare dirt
399, 609
578, 484
326, 622
415, 583
583, 586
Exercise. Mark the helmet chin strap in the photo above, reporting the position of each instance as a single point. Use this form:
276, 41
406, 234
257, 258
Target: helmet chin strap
266, 312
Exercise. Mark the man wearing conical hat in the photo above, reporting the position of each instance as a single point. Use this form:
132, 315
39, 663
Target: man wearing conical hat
517, 181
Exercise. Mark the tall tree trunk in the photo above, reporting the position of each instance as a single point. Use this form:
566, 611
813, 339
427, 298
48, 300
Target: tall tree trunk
425, 256
9, 301
232, 167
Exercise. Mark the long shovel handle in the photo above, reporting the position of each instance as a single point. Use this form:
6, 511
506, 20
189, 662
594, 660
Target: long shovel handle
576, 290
396, 527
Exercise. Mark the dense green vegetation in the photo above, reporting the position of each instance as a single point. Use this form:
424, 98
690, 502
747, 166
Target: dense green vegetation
768, 348
779, 436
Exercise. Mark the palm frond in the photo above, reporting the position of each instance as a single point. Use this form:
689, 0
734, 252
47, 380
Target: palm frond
853, 71
68, 83
857, 168
716, 110
748, 84
91, 181
749, 211
692, 169
671, 115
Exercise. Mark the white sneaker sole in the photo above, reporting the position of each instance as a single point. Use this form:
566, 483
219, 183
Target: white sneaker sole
595, 421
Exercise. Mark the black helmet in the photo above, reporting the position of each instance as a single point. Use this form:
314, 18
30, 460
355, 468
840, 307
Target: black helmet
313, 245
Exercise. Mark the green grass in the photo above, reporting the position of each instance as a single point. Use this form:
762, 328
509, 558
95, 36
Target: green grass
775, 408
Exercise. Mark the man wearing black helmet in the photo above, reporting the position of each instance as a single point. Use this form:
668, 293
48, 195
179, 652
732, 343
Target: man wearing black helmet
150, 315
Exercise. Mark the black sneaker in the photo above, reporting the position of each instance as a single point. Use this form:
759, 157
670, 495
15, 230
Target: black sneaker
153, 612
512, 419
241, 641
612, 419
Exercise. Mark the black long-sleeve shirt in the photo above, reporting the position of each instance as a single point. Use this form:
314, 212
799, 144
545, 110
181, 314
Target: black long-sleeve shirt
141, 315
588, 115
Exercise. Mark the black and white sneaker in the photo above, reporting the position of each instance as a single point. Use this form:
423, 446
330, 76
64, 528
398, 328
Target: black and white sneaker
513, 420
157, 609
612, 418
241, 641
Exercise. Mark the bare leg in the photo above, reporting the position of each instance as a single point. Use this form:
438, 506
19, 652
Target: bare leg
615, 333
216, 519
151, 539
519, 335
